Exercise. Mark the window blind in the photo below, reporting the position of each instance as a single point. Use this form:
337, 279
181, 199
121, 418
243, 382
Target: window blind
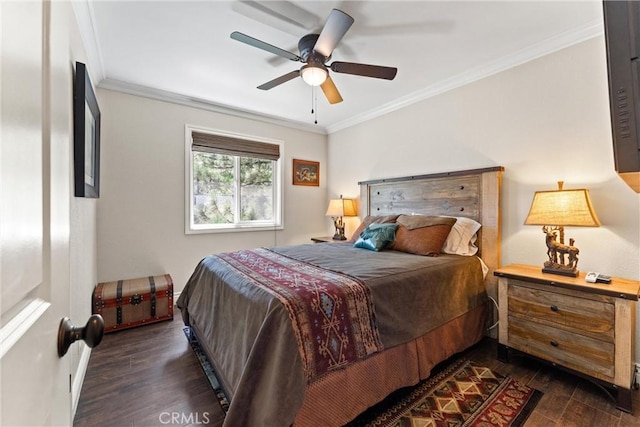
219, 144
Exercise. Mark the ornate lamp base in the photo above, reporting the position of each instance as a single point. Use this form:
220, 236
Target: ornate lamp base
337, 222
563, 270
557, 252
339, 234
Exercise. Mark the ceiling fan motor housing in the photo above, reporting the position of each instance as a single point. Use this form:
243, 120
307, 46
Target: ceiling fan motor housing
306, 45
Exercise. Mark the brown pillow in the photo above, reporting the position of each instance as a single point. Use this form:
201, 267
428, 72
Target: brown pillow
421, 234
370, 219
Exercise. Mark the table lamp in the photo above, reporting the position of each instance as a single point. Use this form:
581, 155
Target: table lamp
337, 209
554, 210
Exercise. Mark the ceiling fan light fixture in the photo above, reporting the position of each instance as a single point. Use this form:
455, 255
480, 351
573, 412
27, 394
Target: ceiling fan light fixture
313, 75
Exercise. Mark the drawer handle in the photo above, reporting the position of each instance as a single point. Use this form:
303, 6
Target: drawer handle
554, 308
554, 343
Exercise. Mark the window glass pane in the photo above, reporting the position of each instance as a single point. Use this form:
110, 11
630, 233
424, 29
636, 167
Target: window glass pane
256, 188
213, 188
232, 189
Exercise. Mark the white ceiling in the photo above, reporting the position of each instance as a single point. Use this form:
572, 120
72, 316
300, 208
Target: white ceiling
182, 50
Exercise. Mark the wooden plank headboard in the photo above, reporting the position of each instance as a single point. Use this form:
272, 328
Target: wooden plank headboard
471, 193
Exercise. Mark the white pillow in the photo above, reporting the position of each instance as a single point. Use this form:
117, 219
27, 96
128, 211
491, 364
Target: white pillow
462, 237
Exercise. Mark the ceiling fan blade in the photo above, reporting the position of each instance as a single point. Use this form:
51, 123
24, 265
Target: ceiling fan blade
334, 29
278, 81
282, 15
264, 46
331, 91
377, 71
288, 11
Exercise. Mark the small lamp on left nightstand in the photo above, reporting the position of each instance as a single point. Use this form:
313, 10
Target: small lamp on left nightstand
337, 209
553, 210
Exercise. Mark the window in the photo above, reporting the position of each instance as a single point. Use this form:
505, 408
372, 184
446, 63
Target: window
233, 182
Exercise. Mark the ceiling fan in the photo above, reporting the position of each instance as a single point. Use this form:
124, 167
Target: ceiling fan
315, 52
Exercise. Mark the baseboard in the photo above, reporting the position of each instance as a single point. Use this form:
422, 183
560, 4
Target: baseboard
76, 387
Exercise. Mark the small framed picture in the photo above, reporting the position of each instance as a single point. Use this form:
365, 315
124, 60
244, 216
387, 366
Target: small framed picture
306, 172
86, 136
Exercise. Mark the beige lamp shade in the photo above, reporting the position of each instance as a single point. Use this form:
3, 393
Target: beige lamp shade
562, 208
341, 207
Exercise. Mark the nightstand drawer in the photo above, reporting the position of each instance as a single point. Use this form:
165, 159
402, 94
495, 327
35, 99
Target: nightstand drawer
587, 328
584, 316
584, 354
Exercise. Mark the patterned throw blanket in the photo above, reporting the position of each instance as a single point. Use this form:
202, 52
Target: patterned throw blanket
331, 313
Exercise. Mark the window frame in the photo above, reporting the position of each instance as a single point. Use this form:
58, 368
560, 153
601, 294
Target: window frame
191, 228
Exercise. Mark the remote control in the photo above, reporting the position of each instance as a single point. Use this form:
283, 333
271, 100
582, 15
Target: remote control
593, 277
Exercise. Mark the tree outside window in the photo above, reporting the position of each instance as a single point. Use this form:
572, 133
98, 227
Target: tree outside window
232, 191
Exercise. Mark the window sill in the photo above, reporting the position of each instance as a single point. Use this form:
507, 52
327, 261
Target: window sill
233, 229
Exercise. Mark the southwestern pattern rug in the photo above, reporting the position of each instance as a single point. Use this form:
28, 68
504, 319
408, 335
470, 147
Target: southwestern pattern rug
462, 394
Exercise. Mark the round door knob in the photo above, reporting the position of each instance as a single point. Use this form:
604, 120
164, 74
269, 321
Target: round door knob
91, 333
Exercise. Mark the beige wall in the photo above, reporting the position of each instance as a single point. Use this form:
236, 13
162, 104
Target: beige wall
141, 209
66, 48
544, 121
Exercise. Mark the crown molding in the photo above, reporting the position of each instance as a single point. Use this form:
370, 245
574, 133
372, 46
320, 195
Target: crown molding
545, 47
83, 10
202, 104
85, 17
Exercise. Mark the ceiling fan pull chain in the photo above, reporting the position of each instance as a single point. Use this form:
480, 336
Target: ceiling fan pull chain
312, 90
315, 106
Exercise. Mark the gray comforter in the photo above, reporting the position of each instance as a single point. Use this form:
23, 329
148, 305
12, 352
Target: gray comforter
248, 334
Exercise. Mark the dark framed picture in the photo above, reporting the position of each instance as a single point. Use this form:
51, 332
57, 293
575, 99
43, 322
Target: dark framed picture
86, 136
306, 172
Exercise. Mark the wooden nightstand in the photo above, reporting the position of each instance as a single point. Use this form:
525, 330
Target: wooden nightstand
585, 328
325, 239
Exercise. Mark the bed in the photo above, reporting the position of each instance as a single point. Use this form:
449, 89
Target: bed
375, 321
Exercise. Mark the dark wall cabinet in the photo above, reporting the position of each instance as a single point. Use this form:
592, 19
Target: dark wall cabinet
622, 33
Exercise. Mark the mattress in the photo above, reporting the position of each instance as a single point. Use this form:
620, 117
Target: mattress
253, 338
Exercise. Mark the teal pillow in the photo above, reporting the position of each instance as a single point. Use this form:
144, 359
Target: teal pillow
376, 236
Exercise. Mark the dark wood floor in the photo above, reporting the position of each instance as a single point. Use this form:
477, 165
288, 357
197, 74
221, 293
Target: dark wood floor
149, 376
146, 376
